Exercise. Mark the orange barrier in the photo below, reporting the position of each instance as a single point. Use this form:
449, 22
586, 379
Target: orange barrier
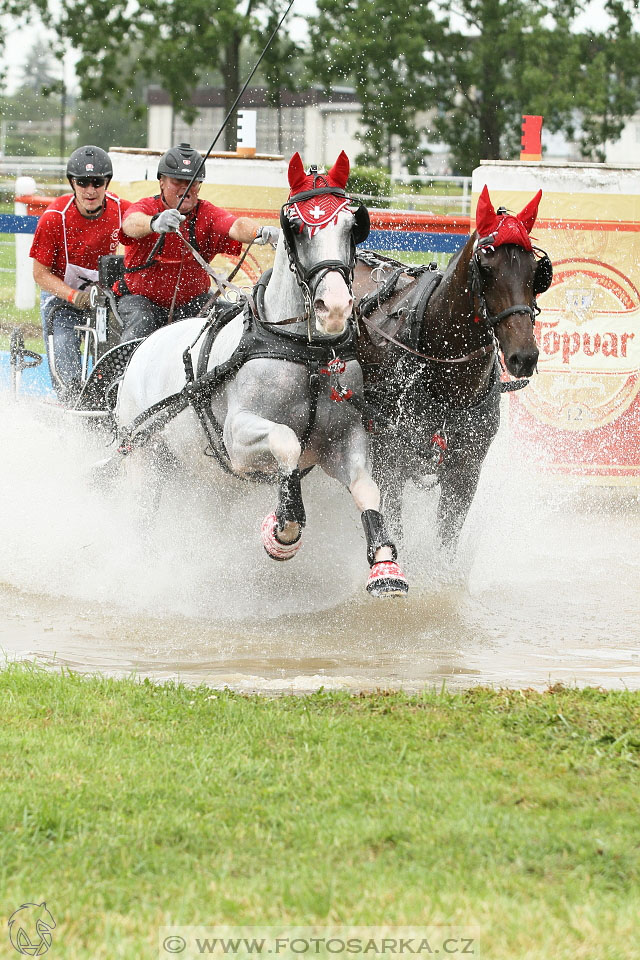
35, 205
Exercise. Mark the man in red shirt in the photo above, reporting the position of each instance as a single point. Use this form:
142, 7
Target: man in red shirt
72, 234
173, 285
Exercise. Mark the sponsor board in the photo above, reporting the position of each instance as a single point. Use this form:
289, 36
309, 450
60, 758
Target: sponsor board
581, 413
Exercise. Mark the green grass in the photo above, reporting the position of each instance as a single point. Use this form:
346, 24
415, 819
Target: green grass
128, 806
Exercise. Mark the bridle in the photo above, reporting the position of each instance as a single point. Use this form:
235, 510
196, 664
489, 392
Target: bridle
541, 281
308, 278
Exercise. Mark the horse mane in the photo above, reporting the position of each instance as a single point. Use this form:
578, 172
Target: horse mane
455, 259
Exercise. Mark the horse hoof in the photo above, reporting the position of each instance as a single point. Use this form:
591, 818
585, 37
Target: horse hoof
386, 579
275, 549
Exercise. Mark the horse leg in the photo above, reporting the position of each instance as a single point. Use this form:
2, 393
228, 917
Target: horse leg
460, 472
348, 465
387, 476
251, 440
281, 531
458, 485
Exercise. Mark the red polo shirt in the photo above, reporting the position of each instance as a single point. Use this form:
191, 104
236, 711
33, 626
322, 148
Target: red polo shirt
87, 240
174, 265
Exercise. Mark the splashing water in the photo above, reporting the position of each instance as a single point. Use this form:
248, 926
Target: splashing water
544, 587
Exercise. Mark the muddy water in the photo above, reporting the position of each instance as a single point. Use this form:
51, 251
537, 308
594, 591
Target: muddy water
545, 587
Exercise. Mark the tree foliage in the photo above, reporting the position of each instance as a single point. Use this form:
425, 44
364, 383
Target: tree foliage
479, 65
609, 88
383, 47
171, 43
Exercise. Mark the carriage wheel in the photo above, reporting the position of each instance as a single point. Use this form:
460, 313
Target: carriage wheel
248, 274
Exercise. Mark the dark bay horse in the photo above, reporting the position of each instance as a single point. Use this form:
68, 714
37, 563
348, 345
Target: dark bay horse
430, 345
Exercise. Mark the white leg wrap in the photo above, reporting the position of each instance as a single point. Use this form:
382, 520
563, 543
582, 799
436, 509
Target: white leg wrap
275, 549
386, 579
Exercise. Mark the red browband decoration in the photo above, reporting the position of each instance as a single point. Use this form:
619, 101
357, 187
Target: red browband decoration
316, 212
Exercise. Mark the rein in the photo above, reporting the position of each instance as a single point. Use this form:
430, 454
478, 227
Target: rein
476, 354
223, 283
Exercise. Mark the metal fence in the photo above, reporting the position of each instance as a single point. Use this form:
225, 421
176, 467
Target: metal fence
48, 172
430, 194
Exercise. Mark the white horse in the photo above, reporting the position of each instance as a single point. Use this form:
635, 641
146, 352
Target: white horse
277, 391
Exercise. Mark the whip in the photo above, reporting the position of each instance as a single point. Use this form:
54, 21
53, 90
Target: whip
226, 119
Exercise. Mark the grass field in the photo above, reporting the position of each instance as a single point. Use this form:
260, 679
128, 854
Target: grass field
128, 806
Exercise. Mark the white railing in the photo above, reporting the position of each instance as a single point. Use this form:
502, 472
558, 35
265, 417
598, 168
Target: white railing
436, 202
27, 166
49, 169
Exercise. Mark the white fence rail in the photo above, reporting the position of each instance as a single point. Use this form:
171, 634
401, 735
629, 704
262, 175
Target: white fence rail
446, 194
48, 172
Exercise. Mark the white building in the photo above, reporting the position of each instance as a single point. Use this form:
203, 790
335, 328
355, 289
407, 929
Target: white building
627, 148
316, 125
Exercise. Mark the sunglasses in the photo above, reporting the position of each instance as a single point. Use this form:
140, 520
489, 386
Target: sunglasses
90, 181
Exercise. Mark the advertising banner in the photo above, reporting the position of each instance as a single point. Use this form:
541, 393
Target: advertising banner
580, 413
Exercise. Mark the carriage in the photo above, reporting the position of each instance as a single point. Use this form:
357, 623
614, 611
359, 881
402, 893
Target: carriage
413, 357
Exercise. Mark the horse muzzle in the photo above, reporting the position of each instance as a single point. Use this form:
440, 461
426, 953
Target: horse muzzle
521, 362
332, 304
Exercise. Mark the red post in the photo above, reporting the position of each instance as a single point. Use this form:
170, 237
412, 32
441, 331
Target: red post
531, 142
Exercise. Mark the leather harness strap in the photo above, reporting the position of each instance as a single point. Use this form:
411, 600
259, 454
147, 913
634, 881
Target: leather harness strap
476, 354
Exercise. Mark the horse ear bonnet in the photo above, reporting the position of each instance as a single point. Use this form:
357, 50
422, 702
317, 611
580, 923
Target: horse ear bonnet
543, 276
485, 214
361, 225
296, 174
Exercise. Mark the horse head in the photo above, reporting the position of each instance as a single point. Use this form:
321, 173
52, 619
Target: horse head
320, 229
506, 274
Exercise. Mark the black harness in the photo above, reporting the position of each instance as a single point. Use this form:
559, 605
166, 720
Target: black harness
322, 356
258, 341
153, 260
541, 282
309, 277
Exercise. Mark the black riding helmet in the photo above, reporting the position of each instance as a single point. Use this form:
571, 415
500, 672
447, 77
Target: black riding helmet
89, 161
181, 163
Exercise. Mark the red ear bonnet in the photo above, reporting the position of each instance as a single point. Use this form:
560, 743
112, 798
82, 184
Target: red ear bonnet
339, 173
323, 208
486, 218
297, 176
528, 214
498, 229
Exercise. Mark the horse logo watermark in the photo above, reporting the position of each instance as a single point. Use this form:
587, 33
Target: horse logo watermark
29, 928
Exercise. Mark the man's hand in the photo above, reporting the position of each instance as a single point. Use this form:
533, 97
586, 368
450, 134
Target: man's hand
166, 222
81, 300
268, 235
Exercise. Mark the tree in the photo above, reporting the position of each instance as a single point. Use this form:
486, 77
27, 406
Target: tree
281, 65
170, 43
108, 126
382, 46
506, 58
482, 64
609, 91
39, 69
